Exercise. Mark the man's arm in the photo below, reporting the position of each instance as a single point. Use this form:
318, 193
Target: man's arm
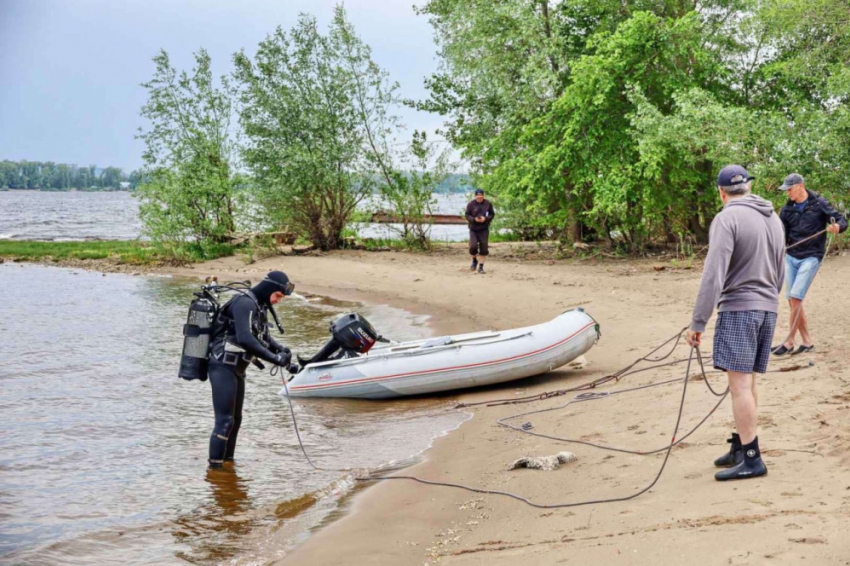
722, 243
784, 219
469, 217
242, 311
492, 214
830, 212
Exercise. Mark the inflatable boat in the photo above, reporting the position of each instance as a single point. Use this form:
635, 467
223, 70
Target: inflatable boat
355, 364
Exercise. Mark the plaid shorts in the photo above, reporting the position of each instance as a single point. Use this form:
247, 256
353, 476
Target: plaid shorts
742, 340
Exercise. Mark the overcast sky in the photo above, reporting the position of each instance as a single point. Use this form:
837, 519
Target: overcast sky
70, 70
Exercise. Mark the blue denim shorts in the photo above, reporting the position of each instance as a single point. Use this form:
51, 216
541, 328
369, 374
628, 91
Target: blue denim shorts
799, 274
742, 340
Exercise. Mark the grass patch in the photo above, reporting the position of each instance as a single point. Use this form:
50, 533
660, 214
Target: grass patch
510, 236
383, 244
130, 252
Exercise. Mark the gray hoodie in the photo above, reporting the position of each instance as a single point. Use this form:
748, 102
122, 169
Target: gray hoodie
745, 266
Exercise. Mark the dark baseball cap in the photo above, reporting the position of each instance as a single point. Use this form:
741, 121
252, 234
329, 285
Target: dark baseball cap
733, 175
479, 191
791, 180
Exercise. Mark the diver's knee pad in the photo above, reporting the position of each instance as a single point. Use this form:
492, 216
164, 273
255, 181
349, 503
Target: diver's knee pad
223, 427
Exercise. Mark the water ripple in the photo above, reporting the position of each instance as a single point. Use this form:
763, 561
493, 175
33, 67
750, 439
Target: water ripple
103, 449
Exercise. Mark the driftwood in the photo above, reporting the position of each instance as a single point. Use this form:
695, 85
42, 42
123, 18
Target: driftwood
280, 238
300, 250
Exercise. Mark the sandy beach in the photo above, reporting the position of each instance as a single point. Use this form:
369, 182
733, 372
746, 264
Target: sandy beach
797, 513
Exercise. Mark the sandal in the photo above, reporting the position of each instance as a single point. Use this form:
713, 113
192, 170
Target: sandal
781, 350
803, 350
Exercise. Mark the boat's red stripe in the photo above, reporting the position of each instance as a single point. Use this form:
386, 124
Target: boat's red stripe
397, 375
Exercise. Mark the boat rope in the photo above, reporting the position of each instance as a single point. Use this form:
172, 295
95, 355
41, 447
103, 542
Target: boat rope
585, 396
582, 397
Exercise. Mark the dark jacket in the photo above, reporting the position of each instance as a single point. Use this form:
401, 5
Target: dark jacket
475, 209
800, 225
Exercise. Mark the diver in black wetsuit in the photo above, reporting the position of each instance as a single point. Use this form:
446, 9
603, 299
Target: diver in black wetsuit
240, 334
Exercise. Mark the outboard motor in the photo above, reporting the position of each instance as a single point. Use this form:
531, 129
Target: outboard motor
351, 335
196, 341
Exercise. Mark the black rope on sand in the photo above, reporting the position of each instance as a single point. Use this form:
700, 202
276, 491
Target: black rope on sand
583, 397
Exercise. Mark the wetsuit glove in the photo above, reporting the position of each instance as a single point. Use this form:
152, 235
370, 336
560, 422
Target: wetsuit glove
283, 359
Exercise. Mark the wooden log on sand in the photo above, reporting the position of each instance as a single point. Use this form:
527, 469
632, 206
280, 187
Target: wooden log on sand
280, 238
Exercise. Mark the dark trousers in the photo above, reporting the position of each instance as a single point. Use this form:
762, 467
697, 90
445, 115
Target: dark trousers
228, 394
478, 242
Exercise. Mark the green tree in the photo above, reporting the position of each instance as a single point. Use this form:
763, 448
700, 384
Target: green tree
807, 81
82, 178
112, 177
64, 177
189, 197
135, 178
580, 158
406, 180
8, 174
31, 174
540, 96
306, 142
409, 186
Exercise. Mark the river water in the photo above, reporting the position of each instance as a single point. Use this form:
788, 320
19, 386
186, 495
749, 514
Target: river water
42, 215
38, 215
103, 449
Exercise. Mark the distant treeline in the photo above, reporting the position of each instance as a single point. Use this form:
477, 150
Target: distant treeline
49, 176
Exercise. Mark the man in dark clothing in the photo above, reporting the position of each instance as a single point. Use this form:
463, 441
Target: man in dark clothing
241, 334
479, 215
805, 214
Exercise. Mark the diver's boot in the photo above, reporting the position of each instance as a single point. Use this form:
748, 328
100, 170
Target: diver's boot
734, 456
752, 466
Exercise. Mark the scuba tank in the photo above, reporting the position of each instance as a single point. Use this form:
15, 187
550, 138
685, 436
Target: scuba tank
204, 320
196, 342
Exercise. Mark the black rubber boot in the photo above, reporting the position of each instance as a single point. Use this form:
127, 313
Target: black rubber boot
752, 466
734, 456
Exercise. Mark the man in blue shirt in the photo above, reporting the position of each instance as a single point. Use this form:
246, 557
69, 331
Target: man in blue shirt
804, 218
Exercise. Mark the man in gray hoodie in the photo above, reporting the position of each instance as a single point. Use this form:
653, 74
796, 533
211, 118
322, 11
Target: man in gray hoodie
742, 277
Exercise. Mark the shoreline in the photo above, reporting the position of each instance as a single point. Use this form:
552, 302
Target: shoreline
796, 513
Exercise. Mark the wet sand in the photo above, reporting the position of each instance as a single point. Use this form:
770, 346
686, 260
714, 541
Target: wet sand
797, 514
